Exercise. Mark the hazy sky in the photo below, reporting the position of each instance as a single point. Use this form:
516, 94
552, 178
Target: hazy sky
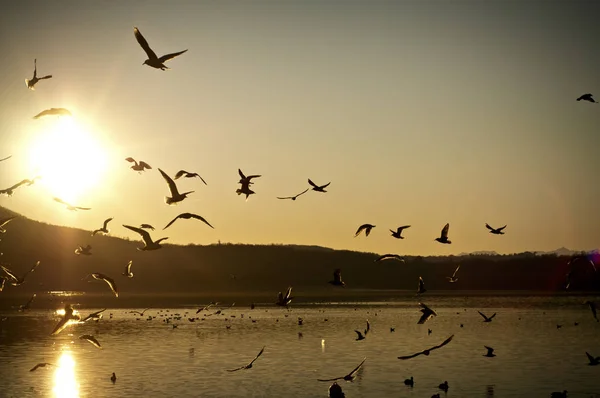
418, 112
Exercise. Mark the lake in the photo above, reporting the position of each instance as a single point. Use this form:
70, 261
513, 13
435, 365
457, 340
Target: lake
153, 359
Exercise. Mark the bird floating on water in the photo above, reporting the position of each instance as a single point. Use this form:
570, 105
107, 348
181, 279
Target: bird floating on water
65, 320
427, 313
444, 235
153, 61
187, 216
104, 230
410, 382
187, 174
453, 278
250, 364
428, 351
31, 83
149, 244
389, 257
127, 271
398, 233
485, 318
495, 231
295, 196
175, 197
365, 227
318, 188
490, 352
444, 386
53, 112
337, 278
350, 376
587, 97
70, 206
109, 281
113, 378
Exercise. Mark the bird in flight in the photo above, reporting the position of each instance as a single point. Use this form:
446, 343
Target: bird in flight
295, 196
444, 235
147, 226
250, 364
365, 227
485, 318
15, 280
427, 313
94, 315
490, 352
350, 376
187, 174
71, 207
337, 278
31, 83
363, 335
149, 244
428, 351
6, 158
176, 197
27, 305
9, 191
587, 97
245, 189
40, 365
187, 216
421, 289
91, 339
86, 251
127, 271
5, 221
398, 233
65, 320
593, 309
593, 361
109, 281
495, 231
246, 180
284, 300
153, 60
318, 188
104, 229
140, 312
453, 278
389, 256
138, 166
52, 112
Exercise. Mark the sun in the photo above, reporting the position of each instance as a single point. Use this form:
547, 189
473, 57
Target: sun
69, 159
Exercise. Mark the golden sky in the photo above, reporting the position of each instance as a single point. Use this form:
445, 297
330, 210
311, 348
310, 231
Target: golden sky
419, 113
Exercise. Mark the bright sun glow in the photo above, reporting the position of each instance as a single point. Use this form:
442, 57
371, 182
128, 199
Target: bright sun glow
65, 384
69, 159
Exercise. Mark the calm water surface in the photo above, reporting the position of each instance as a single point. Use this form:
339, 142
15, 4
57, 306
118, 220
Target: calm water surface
153, 359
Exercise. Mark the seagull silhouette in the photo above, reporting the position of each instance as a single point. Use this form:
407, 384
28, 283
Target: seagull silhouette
444, 235
485, 318
365, 227
490, 352
453, 278
246, 180
127, 271
11, 190
389, 256
250, 364
427, 313
147, 226
94, 315
153, 60
14, 279
27, 305
284, 300
149, 244
398, 233
91, 339
40, 365
587, 97
104, 228
495, 231
187, 216
187, 174
109, 281
69, 206
363, 335
31, 83
245, 189
350, 376
86, 251
5, 221
295, 196
138, 166
65, 320
428, 351
176, 197
337, 278
53, 112
318, 188
6, 158
593, 361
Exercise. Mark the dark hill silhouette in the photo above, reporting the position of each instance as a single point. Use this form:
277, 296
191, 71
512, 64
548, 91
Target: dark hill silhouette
265, 269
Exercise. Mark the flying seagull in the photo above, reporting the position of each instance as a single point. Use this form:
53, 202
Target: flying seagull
593, 309
27, 305
109, 281
250, 364
490, 352
495, 231
593, 361
153, 60
485, 318
428, 351
366, 227
104, 228
69, 206
453, 278
187, 216
6, 158
9, 191
427, 313
65, 320
147, 226
149, 244
40, 365
138, 166
350, 376
86, 251
187, 174
15, 280
284, 300
318, 188
421, 289
389, 256
91, 339
5, 221
2, 282
140, 312
176, 197
363, 335
444, 235
245, 189
94, 315
587, 97
246, 180
127, 271
337, 278
398, 233
295, 196
31, 83
53, 111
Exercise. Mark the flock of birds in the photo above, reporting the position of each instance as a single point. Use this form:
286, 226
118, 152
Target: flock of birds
71, 317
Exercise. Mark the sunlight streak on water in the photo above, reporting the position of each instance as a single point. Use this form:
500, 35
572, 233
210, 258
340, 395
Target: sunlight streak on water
65, 382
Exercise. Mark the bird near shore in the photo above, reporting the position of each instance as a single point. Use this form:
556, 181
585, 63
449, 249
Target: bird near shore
154, 61
453, 278
66, 319
188, 216
337, 278
93, 316
428, 350
427, 313
149, 244
444, 235
284, 300
53, 112
593, 360
31, 83
109, 281
91, 339
250, 364
350, 376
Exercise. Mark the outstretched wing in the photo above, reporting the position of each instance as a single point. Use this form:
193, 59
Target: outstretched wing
445, 230
111, 283
167, 57
258, 355
61, 201
140, 39
501, 228
482, 314
411, 356
351, 374
172, 221
449, 339
197, 217
314, 186
488, 227
145, 165
337, 378
169, 180
180, 174
455, 271
143, 233
106, 222
9, 273
6, 158
359, 230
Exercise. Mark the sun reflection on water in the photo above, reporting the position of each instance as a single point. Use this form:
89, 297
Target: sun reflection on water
65, 383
